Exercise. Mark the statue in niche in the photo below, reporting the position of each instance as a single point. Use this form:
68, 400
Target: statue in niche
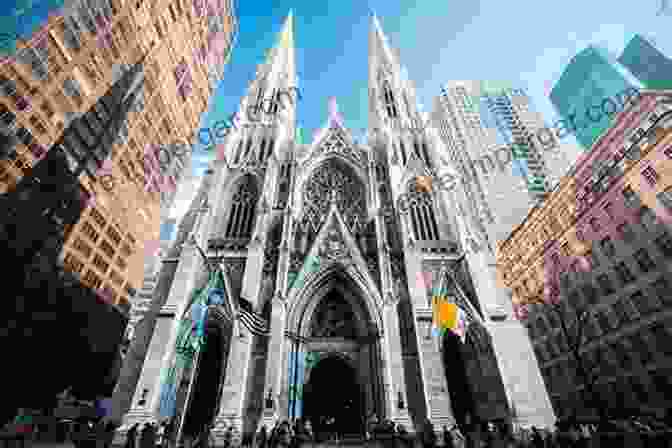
334, 319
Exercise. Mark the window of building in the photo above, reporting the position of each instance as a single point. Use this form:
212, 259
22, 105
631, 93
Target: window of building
107, 248
651, 176
114, 235
595, 224
624, 274
37, 124
644, 260
648, 218
605, 284
121, 263
665, 198
90, 232
621, 312
609, 210
80, 246
72, 263
241, 215
607, 247
73, 90
92, 280
590, 293
664, 244
98, 218
668, 152
629, 195
661, 288
100, 263
626, 232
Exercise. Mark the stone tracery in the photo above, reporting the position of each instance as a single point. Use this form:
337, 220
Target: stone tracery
348, 190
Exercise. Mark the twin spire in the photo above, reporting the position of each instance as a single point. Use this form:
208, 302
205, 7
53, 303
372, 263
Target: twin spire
279, 68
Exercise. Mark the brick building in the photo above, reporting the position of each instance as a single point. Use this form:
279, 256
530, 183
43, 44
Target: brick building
599, 249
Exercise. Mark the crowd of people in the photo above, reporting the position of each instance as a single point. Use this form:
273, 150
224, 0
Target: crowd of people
295, 434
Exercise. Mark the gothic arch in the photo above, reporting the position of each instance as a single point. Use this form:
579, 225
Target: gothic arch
421, 213
358, 288
319, 356
243, 197
333, 173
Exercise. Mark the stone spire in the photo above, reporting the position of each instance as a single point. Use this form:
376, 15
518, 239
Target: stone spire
268, 109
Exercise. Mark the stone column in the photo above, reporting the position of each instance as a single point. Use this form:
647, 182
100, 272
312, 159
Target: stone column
276, 357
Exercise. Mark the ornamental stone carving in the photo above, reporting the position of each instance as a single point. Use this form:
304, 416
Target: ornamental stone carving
332, 179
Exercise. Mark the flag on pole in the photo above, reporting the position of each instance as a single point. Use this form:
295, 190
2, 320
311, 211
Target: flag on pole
252, 320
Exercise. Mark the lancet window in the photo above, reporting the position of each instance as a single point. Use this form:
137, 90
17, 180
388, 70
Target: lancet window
403, 152
390, 105
241, 216
421, 214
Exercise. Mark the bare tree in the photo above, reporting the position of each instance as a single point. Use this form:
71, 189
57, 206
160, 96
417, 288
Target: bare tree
574, 321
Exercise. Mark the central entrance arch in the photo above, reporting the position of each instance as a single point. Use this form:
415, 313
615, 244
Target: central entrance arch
333, 399
335, 357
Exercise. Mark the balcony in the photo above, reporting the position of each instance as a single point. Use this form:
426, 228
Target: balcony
234, 244
437, 247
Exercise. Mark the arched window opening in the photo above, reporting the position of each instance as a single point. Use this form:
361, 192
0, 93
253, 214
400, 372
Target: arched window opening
390, 105
239, 150
262, 150
423, 218
403, 151
241, 215
425, 153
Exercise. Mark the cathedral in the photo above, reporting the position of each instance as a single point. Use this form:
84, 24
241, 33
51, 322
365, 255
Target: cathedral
337, 253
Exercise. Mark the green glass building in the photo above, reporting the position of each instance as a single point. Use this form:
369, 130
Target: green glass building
591, 90
647, 63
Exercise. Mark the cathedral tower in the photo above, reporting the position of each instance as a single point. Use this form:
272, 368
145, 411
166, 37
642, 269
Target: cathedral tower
333, 247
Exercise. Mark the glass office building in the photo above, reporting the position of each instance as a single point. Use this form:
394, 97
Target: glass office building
591, 90
647, 63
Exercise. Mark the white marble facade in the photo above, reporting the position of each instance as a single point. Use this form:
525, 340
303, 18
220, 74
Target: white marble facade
308, 232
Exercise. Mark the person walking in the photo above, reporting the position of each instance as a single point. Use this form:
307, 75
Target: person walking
537, 440
131, 436
228, 437
447, 438
428, 435
260, 441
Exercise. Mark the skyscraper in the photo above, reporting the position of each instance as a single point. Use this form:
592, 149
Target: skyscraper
499, 146
647, 63
58, 80
593, 81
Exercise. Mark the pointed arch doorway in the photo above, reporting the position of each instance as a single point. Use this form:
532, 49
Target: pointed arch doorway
335, 361
202, 394
333, 399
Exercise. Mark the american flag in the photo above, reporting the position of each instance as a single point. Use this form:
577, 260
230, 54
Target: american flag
252, 320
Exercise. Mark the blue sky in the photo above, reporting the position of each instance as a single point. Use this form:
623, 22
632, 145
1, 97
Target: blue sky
523, 41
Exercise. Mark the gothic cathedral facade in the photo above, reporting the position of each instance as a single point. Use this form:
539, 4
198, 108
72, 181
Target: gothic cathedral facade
335, 245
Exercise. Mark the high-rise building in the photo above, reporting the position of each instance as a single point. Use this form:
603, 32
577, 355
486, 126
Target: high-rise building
57, 82
592, 89
502, 149
141, 302
332, 246
589, 272
647, 63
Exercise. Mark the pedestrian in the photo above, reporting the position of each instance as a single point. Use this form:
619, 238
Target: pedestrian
131, 435
429, 437
537, 440
228, 437
261, 438
168, 433
447, 438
